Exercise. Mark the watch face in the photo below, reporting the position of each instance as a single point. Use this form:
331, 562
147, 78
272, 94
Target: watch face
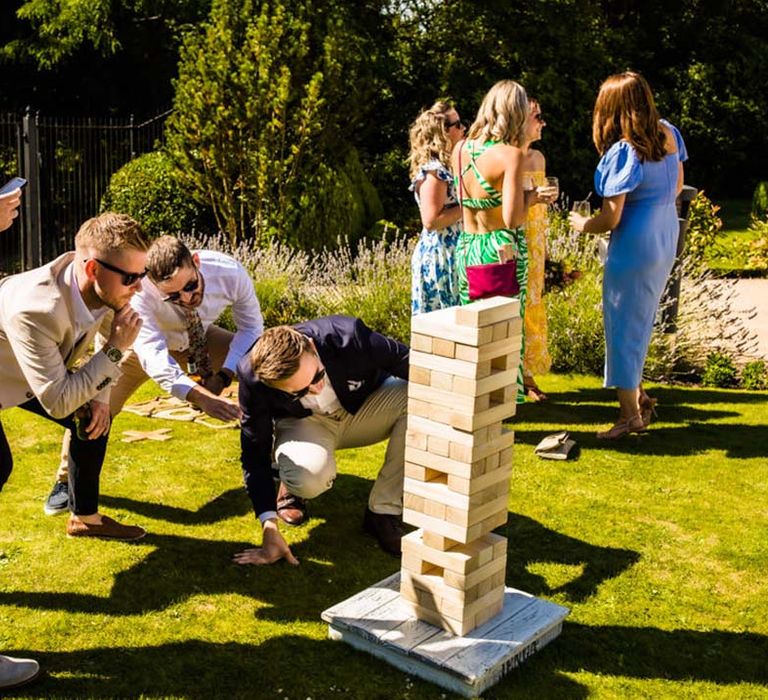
114, 354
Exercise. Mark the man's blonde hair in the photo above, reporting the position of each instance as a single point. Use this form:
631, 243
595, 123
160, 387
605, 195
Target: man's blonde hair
502, 116
111, 232
166, 255
277, 354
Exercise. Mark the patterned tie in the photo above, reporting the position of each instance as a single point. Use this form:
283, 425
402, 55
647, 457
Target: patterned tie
198, 359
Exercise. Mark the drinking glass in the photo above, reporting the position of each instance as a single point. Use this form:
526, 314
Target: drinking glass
582, 208
550, 189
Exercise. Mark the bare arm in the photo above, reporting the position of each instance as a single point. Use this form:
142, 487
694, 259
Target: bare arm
433, 193
513, 206
607, 220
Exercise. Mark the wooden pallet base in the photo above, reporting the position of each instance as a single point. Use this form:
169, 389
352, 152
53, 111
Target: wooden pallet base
378, 622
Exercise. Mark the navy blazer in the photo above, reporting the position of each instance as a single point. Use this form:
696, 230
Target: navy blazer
357, 360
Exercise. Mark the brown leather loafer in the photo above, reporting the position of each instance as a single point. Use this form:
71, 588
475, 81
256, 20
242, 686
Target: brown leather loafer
387, 529
108, 530
291, 509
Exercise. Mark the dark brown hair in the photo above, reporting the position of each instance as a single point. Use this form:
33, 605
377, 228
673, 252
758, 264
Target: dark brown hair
166, 255
625, 109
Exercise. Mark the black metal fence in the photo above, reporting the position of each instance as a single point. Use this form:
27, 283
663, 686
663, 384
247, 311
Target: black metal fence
68, 163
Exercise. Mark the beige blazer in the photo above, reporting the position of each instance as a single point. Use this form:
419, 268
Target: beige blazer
37, 344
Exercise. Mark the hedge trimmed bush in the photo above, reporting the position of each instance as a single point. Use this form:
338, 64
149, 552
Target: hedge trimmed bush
147, 189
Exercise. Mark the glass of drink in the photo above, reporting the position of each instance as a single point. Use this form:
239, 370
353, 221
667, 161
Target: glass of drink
582, 208
550, 189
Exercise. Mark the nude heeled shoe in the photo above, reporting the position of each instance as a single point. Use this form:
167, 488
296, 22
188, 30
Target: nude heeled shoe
633, 424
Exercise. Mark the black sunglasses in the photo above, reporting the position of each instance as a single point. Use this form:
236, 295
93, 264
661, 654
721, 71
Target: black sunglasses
128, 278
301, 393
188, 288
458, 123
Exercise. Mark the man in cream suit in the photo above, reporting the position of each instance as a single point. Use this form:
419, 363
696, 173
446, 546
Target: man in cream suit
184, 289
48, 319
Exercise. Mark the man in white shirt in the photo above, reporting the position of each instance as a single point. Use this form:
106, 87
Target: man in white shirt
187, 291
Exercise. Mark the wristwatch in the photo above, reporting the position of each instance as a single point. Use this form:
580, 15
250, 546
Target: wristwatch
226, 380
113, 353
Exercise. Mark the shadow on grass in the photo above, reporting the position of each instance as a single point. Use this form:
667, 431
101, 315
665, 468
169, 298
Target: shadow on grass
337, 560
530, 542
229, 504
199, 670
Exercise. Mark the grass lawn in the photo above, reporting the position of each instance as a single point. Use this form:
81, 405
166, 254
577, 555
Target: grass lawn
730, 255
658, 544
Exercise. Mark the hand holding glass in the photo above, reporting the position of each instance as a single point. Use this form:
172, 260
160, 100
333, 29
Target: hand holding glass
549, 191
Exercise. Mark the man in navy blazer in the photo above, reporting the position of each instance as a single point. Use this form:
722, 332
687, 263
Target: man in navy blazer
306, 391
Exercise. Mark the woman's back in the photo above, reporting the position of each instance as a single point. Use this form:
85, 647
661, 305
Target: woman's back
482, 172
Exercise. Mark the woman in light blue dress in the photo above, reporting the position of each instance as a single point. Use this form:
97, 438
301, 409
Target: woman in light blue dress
433, 134
639, 177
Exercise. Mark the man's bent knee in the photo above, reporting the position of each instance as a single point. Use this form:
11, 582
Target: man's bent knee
307, 470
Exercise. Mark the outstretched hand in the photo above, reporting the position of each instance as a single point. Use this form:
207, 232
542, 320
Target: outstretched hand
273, 548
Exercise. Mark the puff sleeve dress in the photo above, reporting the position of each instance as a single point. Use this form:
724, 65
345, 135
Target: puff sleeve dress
640, 256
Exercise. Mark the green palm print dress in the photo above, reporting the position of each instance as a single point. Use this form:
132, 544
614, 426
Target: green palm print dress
483, 248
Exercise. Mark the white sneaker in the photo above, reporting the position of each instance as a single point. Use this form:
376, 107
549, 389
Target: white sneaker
16, 672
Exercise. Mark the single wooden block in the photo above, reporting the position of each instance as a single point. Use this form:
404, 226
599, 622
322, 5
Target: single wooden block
437, 446
422, 343
434, 508
414, 438
441, 380
447, 365
419, 472
413, 501
486, 312
466, 516
467, 421
464, 470
442, 324
495, 520
446, 397
497, 379
444, 348
500, 330
480, 483
486, 571
438, 542
480, 449
489, 351
419, 375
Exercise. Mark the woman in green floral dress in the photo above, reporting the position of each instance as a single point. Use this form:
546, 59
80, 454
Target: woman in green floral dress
489, 167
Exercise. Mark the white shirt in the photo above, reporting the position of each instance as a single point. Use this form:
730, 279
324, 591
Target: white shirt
164, 326
325, 401
84, 319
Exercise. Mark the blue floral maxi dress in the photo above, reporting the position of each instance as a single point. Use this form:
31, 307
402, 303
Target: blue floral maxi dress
640, 256
434, 283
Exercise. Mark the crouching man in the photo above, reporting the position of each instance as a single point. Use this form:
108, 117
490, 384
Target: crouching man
305, 392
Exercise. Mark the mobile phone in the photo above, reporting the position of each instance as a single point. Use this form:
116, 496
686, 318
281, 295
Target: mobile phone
14, 183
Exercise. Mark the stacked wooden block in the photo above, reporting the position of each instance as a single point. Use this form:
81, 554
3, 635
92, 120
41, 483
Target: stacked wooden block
458, 460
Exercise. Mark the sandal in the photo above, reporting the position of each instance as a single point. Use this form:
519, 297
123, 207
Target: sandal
534, 394
647, 408
634, 424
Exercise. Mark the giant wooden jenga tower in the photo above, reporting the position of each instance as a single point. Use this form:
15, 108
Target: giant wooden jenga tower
458, 460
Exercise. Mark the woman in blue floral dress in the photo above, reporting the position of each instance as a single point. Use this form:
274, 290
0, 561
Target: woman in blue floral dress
433, 134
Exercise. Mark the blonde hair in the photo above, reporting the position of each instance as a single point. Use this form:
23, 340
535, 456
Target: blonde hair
503, 115
429, 137
111, 232
625, 109
277, 354
166, 255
